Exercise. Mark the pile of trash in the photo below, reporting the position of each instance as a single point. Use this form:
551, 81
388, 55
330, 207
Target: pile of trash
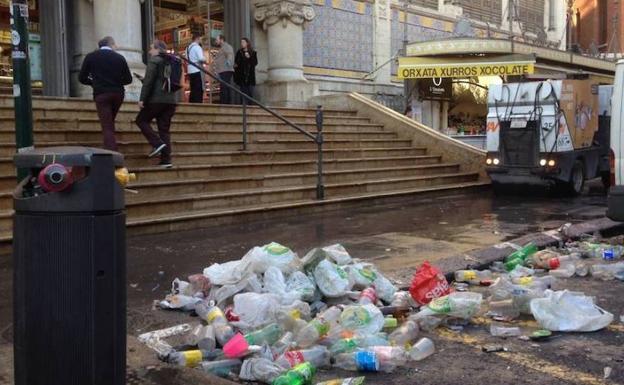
275, 318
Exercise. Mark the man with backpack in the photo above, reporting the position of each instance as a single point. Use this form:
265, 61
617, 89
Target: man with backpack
158, 100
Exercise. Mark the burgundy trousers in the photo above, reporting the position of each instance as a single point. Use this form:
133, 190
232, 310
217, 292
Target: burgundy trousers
108, 105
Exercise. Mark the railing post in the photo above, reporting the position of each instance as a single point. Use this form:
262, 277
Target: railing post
320, 188
244, 123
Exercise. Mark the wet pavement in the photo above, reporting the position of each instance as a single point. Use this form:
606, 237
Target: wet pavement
395, 236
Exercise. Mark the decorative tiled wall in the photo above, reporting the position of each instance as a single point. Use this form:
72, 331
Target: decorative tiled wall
419, 28
340, 37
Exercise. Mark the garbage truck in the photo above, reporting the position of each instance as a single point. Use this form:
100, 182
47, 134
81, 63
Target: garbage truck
552, 133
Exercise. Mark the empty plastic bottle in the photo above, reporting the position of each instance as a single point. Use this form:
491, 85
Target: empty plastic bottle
283, 344
203, 337
260, 369
344, 381
498, 330
215, 317
363, 360
347, 345
422, 349
267, 335
607, 272
401, 299
221, 368
318, 327
472, 276
318, 356
368, 296
390, 355
188, 358
604, 251
405, 334
301, 374
506, 309
519, 257
290, 320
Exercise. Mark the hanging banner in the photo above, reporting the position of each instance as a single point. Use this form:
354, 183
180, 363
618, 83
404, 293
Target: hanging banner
421, 67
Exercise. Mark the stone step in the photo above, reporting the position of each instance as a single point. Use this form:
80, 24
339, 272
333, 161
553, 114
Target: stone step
154, 188
142, 147
259, 169
51, 103
216, 201
93, 135
151, 224
54, 124
208, 116
202, 160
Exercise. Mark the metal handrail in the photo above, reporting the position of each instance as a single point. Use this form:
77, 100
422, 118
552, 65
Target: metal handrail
318, 138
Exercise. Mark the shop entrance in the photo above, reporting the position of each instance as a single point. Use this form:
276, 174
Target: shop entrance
175, 21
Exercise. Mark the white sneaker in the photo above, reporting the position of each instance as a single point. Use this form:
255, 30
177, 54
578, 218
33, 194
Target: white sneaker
156, 150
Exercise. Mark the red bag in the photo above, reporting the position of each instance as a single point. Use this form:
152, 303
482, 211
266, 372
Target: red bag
428, 283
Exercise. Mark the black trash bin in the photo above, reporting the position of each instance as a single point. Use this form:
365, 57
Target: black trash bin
70, 268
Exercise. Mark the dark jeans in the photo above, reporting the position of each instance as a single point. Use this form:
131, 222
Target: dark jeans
197, 89
107, 106
162, 113
225, 97
247, 90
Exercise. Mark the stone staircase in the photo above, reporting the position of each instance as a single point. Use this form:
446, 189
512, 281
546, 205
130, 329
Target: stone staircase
213, 181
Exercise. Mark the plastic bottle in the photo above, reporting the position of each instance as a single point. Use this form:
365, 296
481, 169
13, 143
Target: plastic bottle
544, 282
347, 345
318, 356
607, 272
498, 330
368, 296
260, 369
283, 344
505, 309
401, 299
215, 317
203, 337
422, 349
472, 276
525, 252
604, 251
390, 323
318, 327
221, 368
344, 381
405, 334
301, 374
188, 358
363, 360
267, 335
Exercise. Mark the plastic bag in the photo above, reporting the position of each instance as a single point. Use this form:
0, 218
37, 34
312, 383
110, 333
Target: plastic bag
331, 279
256, 310
362, 319
569, 312
222, 294
503, 288
384, 288
199, 284
179, 301
302, 285
273, 254
459, 304
338, 254
428, 283
361, 274
260, 369
228, 273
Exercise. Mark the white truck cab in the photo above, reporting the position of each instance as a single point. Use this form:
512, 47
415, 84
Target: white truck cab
615, 204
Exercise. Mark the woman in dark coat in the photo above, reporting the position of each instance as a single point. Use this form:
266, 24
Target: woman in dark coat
245, 64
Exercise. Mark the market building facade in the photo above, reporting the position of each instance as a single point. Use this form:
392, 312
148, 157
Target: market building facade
305, 47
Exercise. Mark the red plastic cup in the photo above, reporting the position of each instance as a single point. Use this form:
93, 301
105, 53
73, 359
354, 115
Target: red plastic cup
236, 347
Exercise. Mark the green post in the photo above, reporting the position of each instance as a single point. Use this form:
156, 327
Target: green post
21, 79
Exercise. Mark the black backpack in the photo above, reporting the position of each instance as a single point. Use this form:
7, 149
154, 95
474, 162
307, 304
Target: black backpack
172, 72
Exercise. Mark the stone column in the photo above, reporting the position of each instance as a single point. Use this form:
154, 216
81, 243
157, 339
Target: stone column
383, 50
121, 19
283, 21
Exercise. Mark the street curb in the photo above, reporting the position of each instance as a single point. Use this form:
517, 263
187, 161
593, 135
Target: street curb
482, 258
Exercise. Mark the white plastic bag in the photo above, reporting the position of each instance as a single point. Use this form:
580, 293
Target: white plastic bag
338, 254
331, 279
361, 274
385, 289
569, 312
256, 310
273, 254
362, 319
228, 273
179, 301
301, 285
221, 294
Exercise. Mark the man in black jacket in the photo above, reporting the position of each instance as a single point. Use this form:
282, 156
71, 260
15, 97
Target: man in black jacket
107, 72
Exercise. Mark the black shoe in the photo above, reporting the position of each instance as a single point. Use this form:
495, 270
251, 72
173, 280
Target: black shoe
165, 164
156, 150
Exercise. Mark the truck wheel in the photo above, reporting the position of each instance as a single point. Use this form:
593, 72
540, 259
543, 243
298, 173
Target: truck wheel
577, 178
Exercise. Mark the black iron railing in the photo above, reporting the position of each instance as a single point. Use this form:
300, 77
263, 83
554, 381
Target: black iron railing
318, 138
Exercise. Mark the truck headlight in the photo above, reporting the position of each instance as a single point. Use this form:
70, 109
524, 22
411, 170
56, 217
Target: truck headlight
542, 162
551, 163
495, 161
488, 161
